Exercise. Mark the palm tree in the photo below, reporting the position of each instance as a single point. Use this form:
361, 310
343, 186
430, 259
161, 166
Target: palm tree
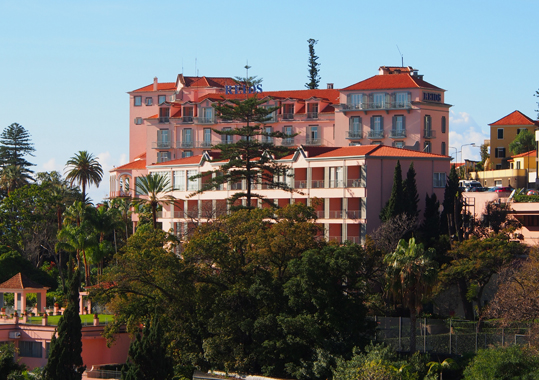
12, 177
78, 240
411, 273
85, 170
103, 220
155, 187
123, 208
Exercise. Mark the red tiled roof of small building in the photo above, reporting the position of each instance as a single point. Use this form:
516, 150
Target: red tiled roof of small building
139, 164
20, 281
165, 86
515, 118
525, 154
181, 161
367, 150
208, 81
391, 81
389, 151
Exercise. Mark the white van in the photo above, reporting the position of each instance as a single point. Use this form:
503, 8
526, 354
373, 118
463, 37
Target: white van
469, 185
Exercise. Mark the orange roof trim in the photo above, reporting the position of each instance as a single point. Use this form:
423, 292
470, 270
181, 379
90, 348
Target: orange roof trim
516, 118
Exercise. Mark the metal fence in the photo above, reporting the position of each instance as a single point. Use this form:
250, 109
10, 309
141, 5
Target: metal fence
448, 336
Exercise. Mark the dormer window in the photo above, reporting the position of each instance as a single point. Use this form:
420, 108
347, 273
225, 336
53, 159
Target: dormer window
402, 99
312, 110
379, 100
288, 111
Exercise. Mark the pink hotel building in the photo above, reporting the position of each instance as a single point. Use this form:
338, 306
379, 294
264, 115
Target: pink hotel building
347, 145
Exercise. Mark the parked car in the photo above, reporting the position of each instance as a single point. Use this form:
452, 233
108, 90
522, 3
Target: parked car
532, 192
503, 189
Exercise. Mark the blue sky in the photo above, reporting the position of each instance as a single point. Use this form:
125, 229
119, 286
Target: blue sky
65, 66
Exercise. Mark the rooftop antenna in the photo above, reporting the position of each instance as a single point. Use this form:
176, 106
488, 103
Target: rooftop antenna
402, 57
247, 67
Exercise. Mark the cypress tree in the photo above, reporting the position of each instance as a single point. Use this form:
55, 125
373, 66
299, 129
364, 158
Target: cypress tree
451, 195
411, 198
65, 360
148, 357
430, 228
395, 204
314, 78
15, 143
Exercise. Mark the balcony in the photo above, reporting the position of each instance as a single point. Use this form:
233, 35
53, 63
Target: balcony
312, 115
429, 133
356, 135
336, 183
266, 140
161, 145
206, 144
397, 133
236, 186
287, 116
317, 184
288, 141
376, 134
313, 142
164, 119
353, 214
336, 214
186, 119
367, 106
185, 144
300, 184
204, 120
353, 183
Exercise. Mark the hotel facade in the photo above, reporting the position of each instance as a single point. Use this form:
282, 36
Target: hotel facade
344, 150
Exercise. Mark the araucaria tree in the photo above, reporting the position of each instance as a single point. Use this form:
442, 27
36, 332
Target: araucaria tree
314, 78
15, 143
250, 161
65, 360
84, 169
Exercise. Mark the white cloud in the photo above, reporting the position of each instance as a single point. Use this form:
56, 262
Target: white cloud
464, 131
50, 166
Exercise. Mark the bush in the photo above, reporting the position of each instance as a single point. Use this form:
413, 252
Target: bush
504, 363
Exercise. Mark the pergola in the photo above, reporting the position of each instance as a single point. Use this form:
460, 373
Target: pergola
20, 285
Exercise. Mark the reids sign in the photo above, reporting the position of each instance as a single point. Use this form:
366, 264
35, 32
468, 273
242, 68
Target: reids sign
238, 89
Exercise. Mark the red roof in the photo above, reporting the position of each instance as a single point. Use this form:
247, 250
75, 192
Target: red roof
391, 81
330, 95
20, 281
367, 150
207, 81
139, 164
181, 161
167, 86
525, 154
515, 118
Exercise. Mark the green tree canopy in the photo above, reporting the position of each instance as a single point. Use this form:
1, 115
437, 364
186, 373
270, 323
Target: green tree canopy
156, 188
15, 144
524, 142
395, 204
85, 170
411, 198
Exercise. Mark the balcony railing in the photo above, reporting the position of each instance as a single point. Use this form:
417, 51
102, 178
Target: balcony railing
353, 214
204, 120
161, 145
376, 134
365, 106
397, 133
266, 140
206, 143
312, 115
164, 119
354, 134
186, 119
288, 141
429, 134
300, 184
337, 214
336, 183
353, 183
313, 142
236, 186
184, 144
320, 214
287, 116
317, 184
354, 239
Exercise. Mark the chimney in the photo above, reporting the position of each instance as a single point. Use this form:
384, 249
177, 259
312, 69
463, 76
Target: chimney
155, 84
330, 86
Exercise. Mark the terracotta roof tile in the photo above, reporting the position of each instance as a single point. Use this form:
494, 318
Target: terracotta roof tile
531, 153
515, 118
389, 151
391, 81
208, 81
167, 86
367, 150
329, 95
20, 281
181, 161
139, 164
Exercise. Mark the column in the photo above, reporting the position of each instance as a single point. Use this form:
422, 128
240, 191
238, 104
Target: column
23, 303
39, 296
309, 177
326, 178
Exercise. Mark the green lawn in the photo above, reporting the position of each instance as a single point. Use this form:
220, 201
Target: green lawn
86, 319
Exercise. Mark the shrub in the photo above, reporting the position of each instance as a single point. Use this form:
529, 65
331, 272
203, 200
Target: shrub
504, 363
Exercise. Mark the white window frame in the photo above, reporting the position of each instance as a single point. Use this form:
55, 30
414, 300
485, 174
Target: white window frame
402, 99
355, 100
179, 180
379, 100
192, 185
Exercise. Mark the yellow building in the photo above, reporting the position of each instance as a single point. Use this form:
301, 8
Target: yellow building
503, 132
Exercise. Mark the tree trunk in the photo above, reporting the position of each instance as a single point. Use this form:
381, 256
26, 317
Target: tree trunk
466, 305
86, 269
413, 333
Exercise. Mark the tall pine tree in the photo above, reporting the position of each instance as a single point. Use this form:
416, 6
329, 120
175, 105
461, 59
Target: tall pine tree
15, 144
148, 358
451, 199
411, 198
314, 78
65, 360
395, 204
247, 153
